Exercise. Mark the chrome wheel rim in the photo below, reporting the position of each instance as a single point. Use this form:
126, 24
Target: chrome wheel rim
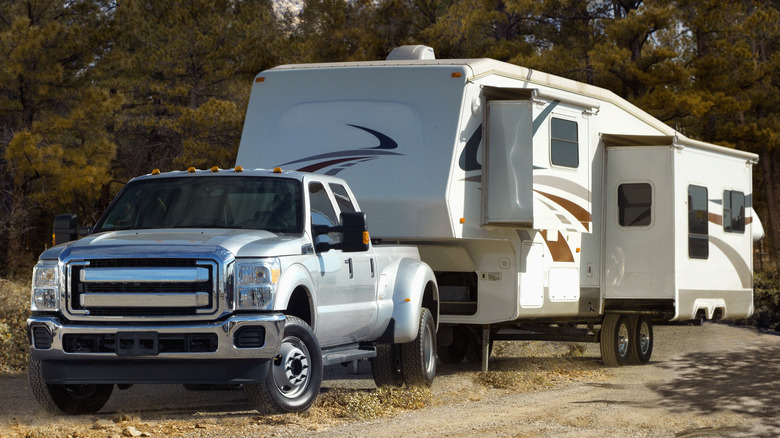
429, 352
644, 338
291, 368
622, 340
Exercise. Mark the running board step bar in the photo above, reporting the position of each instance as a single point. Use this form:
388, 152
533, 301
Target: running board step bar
347, 353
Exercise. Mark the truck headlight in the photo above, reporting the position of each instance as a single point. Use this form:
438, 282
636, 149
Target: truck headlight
45, 286
256, 283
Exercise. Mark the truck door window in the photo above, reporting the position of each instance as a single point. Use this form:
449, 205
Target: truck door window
733, 211
698, 220
342, 198
564, 144
322, 211
635, 202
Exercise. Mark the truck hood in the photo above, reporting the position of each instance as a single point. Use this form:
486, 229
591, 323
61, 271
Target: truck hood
202, 243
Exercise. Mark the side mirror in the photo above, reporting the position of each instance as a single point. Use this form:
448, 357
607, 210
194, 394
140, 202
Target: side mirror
65, 228
354, 234
355, 238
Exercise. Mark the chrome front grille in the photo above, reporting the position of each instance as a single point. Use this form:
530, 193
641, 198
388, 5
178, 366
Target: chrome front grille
154, 287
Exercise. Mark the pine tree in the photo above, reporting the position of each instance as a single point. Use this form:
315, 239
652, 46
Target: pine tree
55, 146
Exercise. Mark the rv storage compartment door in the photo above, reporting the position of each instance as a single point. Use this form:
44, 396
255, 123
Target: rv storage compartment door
507, 170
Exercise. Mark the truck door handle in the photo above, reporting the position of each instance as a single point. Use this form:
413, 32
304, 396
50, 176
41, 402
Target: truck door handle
351, 273
372, 268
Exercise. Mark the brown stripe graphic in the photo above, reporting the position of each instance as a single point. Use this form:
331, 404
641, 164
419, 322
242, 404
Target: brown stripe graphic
578, 212
559, 249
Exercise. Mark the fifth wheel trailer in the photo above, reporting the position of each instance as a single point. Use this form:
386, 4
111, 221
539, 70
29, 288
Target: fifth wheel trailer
549, 209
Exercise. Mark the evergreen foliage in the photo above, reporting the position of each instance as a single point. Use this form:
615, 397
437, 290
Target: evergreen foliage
94, 92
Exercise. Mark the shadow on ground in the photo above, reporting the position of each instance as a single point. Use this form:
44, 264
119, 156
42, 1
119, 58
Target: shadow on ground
746, 382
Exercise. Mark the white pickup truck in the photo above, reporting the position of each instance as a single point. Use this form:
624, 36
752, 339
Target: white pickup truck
204, 277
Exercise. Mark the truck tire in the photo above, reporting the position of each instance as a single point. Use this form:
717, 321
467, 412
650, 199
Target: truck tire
386, 366
418, 358
67, 399
615, 340
641, 331
295, 376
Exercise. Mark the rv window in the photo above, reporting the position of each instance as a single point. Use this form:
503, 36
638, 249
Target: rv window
564, 147
635, 203
698, 219
342, 198
733, 212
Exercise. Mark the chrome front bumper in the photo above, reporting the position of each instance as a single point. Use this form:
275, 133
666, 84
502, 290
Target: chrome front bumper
72, 341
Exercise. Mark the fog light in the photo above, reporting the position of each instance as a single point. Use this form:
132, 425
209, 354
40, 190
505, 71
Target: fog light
45, 298
253, 296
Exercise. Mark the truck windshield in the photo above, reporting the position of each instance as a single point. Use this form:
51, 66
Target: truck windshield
272, 204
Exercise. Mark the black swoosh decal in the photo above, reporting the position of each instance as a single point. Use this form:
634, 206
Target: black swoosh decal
385, 144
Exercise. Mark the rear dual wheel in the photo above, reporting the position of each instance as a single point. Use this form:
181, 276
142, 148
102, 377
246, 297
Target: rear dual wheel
626, 339
412, 363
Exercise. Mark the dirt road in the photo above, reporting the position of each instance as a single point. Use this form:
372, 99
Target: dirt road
714, 380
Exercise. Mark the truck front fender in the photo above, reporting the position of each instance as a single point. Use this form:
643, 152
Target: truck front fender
414, 287
296, 277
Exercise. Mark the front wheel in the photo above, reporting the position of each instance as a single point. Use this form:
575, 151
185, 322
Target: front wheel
295, 376
418, 358
67, 399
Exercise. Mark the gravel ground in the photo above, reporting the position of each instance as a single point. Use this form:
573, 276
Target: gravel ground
714, 380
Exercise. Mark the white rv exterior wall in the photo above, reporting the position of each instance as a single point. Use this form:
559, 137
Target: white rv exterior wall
409, 138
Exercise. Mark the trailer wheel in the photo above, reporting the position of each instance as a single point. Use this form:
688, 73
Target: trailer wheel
615, 339
386, 366
295, 376
418, 358
642, 339
67, 399
456, 351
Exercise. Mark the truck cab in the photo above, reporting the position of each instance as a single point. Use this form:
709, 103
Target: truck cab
256, 277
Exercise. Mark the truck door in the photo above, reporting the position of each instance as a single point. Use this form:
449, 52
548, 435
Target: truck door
346, 305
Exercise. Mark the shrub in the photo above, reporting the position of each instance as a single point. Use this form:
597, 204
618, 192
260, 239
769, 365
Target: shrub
14, 311
766, 301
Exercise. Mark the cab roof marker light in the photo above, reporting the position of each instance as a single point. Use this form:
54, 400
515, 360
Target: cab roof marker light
191, 170
214, 169
277, 170
156, 172
238, 169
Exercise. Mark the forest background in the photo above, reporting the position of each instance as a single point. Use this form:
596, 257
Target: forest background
95, 92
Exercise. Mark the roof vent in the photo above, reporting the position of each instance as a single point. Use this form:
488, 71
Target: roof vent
411, 52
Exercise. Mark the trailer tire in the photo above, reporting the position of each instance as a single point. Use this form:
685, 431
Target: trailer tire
456, 351
67, 399
615, 340
642, 340
418, 358
386, 366
295, 376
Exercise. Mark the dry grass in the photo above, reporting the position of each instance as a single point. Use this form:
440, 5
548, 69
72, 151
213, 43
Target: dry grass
532, 366
14, 311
